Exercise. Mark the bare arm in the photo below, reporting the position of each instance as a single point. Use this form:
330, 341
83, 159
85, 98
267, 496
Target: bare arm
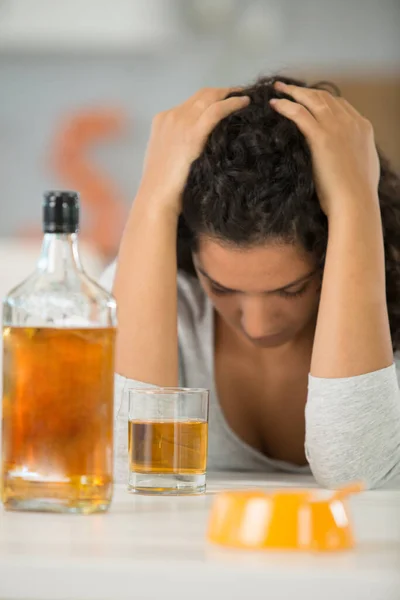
145, 285
145, 289
352, 335
353, 404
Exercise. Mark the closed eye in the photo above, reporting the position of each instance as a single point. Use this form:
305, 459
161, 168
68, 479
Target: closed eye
296, 294
282, 293
220, 291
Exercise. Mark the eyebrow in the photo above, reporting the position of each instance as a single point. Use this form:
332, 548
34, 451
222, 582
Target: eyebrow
302, 279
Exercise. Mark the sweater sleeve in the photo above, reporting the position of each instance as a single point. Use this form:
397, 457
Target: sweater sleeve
353, 428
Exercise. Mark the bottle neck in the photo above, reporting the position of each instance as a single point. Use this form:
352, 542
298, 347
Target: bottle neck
59, 254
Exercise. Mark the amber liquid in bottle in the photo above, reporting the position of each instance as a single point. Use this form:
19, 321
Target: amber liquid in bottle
58, 417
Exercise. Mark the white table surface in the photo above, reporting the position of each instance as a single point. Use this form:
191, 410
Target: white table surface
148, 547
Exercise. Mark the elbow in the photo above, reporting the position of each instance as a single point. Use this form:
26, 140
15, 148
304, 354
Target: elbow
334, 470
334, 476
353, 429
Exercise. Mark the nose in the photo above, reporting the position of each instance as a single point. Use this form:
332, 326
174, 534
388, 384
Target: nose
259, 318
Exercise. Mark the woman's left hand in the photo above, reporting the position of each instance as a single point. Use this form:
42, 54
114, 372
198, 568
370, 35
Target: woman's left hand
345, 159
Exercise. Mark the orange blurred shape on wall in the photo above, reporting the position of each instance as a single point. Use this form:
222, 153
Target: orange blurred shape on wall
101, 200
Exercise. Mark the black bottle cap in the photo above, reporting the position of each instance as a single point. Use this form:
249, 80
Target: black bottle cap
61, 212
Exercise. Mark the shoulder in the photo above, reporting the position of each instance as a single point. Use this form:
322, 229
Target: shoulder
106, 279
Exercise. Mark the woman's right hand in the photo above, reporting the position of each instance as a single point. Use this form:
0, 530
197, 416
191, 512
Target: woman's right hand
145, 282
177, 138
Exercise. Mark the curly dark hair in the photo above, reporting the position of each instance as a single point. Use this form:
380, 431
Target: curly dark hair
254, 181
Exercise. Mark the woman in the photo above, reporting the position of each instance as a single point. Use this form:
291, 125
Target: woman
288, 298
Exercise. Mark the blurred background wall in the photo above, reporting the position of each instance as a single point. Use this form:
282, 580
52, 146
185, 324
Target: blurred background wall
81, 80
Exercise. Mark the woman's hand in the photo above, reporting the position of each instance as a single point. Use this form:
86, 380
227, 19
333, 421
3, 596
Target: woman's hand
345, 159
145, 282
177, 139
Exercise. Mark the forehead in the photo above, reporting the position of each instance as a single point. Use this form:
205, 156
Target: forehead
267, 266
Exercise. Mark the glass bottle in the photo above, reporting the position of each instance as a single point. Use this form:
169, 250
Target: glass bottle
58, 371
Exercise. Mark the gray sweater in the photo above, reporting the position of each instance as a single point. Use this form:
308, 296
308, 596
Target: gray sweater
352, 424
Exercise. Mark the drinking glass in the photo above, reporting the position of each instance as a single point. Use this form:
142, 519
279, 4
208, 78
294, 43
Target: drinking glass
168, 436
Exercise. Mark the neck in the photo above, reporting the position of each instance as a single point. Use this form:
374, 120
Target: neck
59, 254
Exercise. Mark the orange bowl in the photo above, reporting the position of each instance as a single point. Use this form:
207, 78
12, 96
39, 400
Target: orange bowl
308, 520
